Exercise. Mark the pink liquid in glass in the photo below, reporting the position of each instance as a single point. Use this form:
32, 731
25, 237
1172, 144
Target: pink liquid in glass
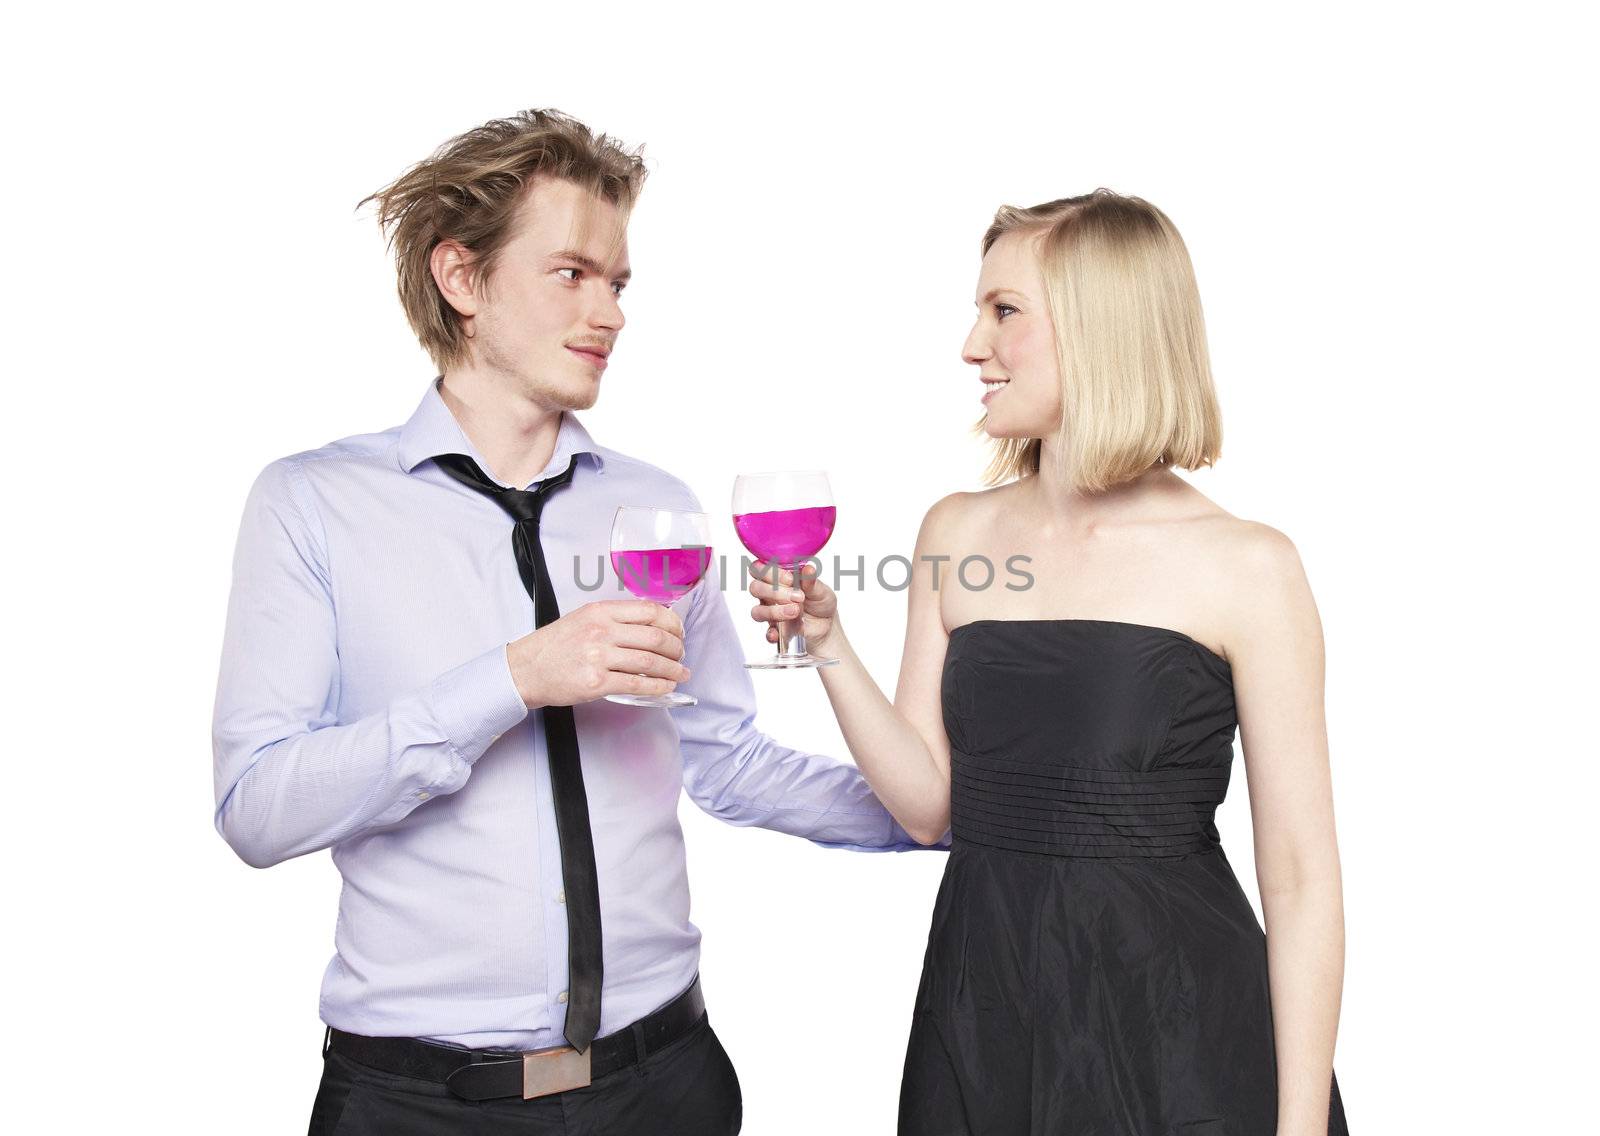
661, 574
787, 535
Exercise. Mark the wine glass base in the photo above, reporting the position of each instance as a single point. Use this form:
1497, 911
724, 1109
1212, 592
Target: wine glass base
669, 700
789, 662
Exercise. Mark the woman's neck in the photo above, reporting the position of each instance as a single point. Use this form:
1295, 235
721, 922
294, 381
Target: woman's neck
1061, 503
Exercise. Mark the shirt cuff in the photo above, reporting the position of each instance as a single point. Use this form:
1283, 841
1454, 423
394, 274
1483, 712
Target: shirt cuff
477, 702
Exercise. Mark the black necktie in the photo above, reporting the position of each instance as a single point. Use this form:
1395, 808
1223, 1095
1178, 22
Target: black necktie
584, 966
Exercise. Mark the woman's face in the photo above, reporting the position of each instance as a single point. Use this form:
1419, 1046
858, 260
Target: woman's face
1013, 343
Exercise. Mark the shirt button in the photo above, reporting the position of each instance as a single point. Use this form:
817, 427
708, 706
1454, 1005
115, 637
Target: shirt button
561, 896
562, 997
422, 796
494, 739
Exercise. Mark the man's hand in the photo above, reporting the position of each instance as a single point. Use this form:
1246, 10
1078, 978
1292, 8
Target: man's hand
605, 647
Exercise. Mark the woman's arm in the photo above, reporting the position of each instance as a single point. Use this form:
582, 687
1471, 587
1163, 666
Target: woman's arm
901, 747
1277, 658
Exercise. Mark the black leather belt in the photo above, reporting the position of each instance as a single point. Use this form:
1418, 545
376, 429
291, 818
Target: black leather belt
482, 1074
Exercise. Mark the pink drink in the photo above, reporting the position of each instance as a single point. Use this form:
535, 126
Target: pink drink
661, 574
786, 536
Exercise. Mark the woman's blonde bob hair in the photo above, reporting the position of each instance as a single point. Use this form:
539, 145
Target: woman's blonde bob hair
1130, 339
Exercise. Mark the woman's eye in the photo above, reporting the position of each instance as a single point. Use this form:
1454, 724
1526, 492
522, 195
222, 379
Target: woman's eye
1000, 310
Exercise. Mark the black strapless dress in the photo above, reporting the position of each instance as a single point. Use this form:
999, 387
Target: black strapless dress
1094, 967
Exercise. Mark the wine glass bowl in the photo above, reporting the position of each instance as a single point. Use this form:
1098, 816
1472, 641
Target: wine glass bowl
784, 518
659, 555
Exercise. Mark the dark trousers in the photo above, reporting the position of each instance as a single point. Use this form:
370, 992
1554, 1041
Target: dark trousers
688, 1088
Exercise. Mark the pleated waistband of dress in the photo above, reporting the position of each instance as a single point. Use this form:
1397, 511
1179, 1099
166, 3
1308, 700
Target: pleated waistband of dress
1062, 810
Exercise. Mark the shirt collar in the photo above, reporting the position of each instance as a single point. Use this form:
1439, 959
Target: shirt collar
433, 430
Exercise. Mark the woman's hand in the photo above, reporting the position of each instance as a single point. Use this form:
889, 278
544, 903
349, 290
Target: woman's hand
814, 604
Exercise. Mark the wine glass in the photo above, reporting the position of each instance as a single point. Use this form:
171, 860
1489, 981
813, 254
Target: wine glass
660, 555
784, 519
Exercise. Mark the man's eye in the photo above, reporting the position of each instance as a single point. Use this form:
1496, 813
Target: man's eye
616, 289
576, 272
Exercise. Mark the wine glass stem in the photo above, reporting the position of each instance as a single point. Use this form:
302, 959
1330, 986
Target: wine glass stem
791, 640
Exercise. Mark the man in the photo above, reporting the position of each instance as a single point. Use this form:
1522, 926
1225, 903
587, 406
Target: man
412, 672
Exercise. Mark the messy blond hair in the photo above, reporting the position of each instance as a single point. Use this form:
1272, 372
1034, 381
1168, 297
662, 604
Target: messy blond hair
469, 191
1130, 338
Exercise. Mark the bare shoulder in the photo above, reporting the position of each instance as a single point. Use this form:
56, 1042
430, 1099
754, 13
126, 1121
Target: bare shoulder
957, 515
1263, 581
1256, 554
945, 520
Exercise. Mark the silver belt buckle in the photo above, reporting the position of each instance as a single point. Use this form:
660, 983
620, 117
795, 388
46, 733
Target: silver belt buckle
547, 1071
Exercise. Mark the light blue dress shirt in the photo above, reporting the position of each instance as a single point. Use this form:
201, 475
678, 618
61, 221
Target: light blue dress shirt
365, 705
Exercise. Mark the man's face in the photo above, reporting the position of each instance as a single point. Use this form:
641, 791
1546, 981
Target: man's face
549, 315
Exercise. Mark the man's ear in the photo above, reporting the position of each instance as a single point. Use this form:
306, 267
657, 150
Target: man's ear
455, 274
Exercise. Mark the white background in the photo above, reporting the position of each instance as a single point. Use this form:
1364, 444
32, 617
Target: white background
1393, 228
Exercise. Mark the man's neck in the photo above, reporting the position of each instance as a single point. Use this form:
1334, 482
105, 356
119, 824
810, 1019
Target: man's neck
515, 435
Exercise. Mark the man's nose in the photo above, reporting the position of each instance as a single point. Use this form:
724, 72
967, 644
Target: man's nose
607, 312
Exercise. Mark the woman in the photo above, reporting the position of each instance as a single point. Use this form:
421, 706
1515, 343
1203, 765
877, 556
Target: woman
1093, 964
